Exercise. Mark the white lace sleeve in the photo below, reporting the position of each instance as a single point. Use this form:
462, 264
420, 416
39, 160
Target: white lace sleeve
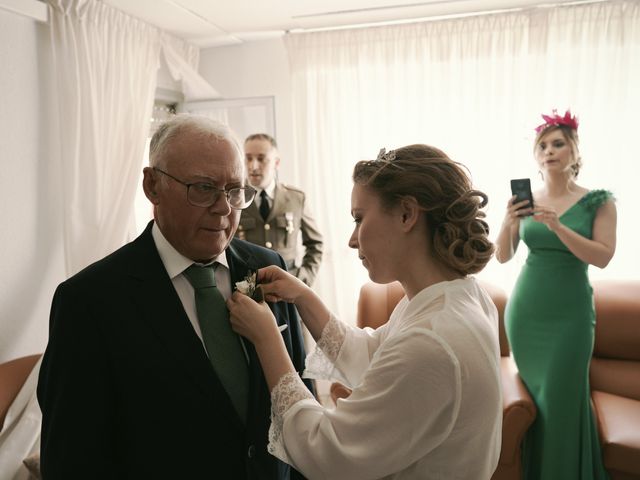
320, 362
289, 390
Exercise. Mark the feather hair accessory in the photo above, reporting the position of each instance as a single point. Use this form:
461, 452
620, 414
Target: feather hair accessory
554, 119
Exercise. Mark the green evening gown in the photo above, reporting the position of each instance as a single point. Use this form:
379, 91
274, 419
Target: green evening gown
550, 321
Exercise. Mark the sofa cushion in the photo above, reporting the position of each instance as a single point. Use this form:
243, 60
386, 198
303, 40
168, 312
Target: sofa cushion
12, 377
376, 302
621, 377
619, 427
617, 319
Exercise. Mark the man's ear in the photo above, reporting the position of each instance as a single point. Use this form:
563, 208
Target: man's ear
150, 184
410, 212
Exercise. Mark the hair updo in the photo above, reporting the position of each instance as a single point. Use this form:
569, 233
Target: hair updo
459, 235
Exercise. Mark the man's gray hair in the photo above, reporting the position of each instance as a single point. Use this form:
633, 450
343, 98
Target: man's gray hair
185, 122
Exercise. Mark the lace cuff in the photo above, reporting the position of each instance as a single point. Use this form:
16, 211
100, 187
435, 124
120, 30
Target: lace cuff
289, 390
320, 362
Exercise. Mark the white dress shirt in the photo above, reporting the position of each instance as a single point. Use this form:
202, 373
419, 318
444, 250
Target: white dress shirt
175, 263
271, 193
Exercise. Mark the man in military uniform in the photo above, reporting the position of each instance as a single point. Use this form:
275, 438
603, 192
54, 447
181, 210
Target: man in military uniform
280, 213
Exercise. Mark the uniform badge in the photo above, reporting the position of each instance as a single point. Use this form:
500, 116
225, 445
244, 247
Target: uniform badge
289, 218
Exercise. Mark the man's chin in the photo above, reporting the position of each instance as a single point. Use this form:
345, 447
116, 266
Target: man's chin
213, 243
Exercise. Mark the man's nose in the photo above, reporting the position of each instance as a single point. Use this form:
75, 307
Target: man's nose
221, 206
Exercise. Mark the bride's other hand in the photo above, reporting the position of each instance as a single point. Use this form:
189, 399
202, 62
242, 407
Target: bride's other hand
252, 320
278, 285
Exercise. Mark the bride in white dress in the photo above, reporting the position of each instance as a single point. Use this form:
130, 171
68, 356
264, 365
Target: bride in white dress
426, 400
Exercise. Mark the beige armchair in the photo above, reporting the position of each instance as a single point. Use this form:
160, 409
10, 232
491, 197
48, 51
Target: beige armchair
13, 374
615, 376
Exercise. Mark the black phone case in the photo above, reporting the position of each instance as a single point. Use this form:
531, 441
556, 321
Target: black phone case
521, 188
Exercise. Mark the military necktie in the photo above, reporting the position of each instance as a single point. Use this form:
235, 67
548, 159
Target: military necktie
223, 344
264, 205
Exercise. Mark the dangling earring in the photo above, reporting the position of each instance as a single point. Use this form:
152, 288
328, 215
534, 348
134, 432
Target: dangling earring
541, 175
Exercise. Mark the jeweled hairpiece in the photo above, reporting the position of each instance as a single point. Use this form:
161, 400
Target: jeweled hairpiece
385, 156
568, 120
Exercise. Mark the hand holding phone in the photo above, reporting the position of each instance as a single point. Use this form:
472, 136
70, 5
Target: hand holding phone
521, 188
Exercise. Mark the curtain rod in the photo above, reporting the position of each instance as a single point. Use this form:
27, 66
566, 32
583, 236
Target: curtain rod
441, 17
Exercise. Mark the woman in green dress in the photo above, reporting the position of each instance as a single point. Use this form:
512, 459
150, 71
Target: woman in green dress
550, 317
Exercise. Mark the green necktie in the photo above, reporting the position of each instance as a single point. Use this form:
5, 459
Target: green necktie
223, 344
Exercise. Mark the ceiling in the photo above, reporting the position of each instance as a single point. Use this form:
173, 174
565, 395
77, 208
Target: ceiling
208, 23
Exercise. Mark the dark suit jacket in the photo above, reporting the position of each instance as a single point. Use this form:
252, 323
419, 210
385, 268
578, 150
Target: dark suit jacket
126, 388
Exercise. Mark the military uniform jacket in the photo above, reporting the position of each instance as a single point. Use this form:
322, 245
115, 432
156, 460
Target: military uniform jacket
288, 219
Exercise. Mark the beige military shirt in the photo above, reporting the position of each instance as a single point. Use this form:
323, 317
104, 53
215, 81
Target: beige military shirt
288, 219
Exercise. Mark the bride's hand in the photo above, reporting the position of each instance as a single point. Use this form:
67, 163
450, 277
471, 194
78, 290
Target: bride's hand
252, 320
278, 285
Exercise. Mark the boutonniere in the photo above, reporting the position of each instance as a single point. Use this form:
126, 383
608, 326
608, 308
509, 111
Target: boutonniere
249, 287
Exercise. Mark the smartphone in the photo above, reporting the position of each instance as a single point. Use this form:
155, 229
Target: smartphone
521, 188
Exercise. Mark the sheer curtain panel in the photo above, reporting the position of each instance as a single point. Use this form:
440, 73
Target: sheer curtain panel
105, 65
475, 87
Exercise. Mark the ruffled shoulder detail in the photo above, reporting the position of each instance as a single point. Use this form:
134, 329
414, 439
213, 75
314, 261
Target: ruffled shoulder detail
595, 198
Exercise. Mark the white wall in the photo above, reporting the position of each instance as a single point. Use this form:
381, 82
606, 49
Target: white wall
30, 234
257, 69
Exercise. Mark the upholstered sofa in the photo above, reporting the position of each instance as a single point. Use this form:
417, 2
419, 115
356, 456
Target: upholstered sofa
13, 374
19, 419
614, 375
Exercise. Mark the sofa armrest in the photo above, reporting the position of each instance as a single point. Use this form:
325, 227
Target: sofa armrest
519, 411
13, 374
618, 420
337, 391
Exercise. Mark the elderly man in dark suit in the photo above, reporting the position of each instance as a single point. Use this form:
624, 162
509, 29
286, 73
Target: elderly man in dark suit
280, 215
141, 379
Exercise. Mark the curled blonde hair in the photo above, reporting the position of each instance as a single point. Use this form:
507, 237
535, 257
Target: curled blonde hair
459, 234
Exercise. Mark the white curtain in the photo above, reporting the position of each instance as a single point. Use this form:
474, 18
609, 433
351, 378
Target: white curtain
106, 66
474, 87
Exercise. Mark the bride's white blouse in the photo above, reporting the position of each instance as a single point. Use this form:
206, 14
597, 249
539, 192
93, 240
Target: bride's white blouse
426, 401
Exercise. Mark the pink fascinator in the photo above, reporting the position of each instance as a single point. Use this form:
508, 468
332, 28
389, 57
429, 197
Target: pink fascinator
568, 120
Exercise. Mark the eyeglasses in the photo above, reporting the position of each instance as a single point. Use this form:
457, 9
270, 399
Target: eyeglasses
202, 194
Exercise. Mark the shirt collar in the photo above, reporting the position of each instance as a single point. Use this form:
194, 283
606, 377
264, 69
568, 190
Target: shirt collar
174, 262
271, 189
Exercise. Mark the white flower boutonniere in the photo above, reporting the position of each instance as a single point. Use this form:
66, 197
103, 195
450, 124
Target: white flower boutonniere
248, 287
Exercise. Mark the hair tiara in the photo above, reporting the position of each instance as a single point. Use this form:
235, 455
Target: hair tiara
384, 156
554, 119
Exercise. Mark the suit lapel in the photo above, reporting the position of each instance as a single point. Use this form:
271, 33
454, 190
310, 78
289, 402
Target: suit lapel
155, 296
239, 268
252, 210
240, 264
279, 201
